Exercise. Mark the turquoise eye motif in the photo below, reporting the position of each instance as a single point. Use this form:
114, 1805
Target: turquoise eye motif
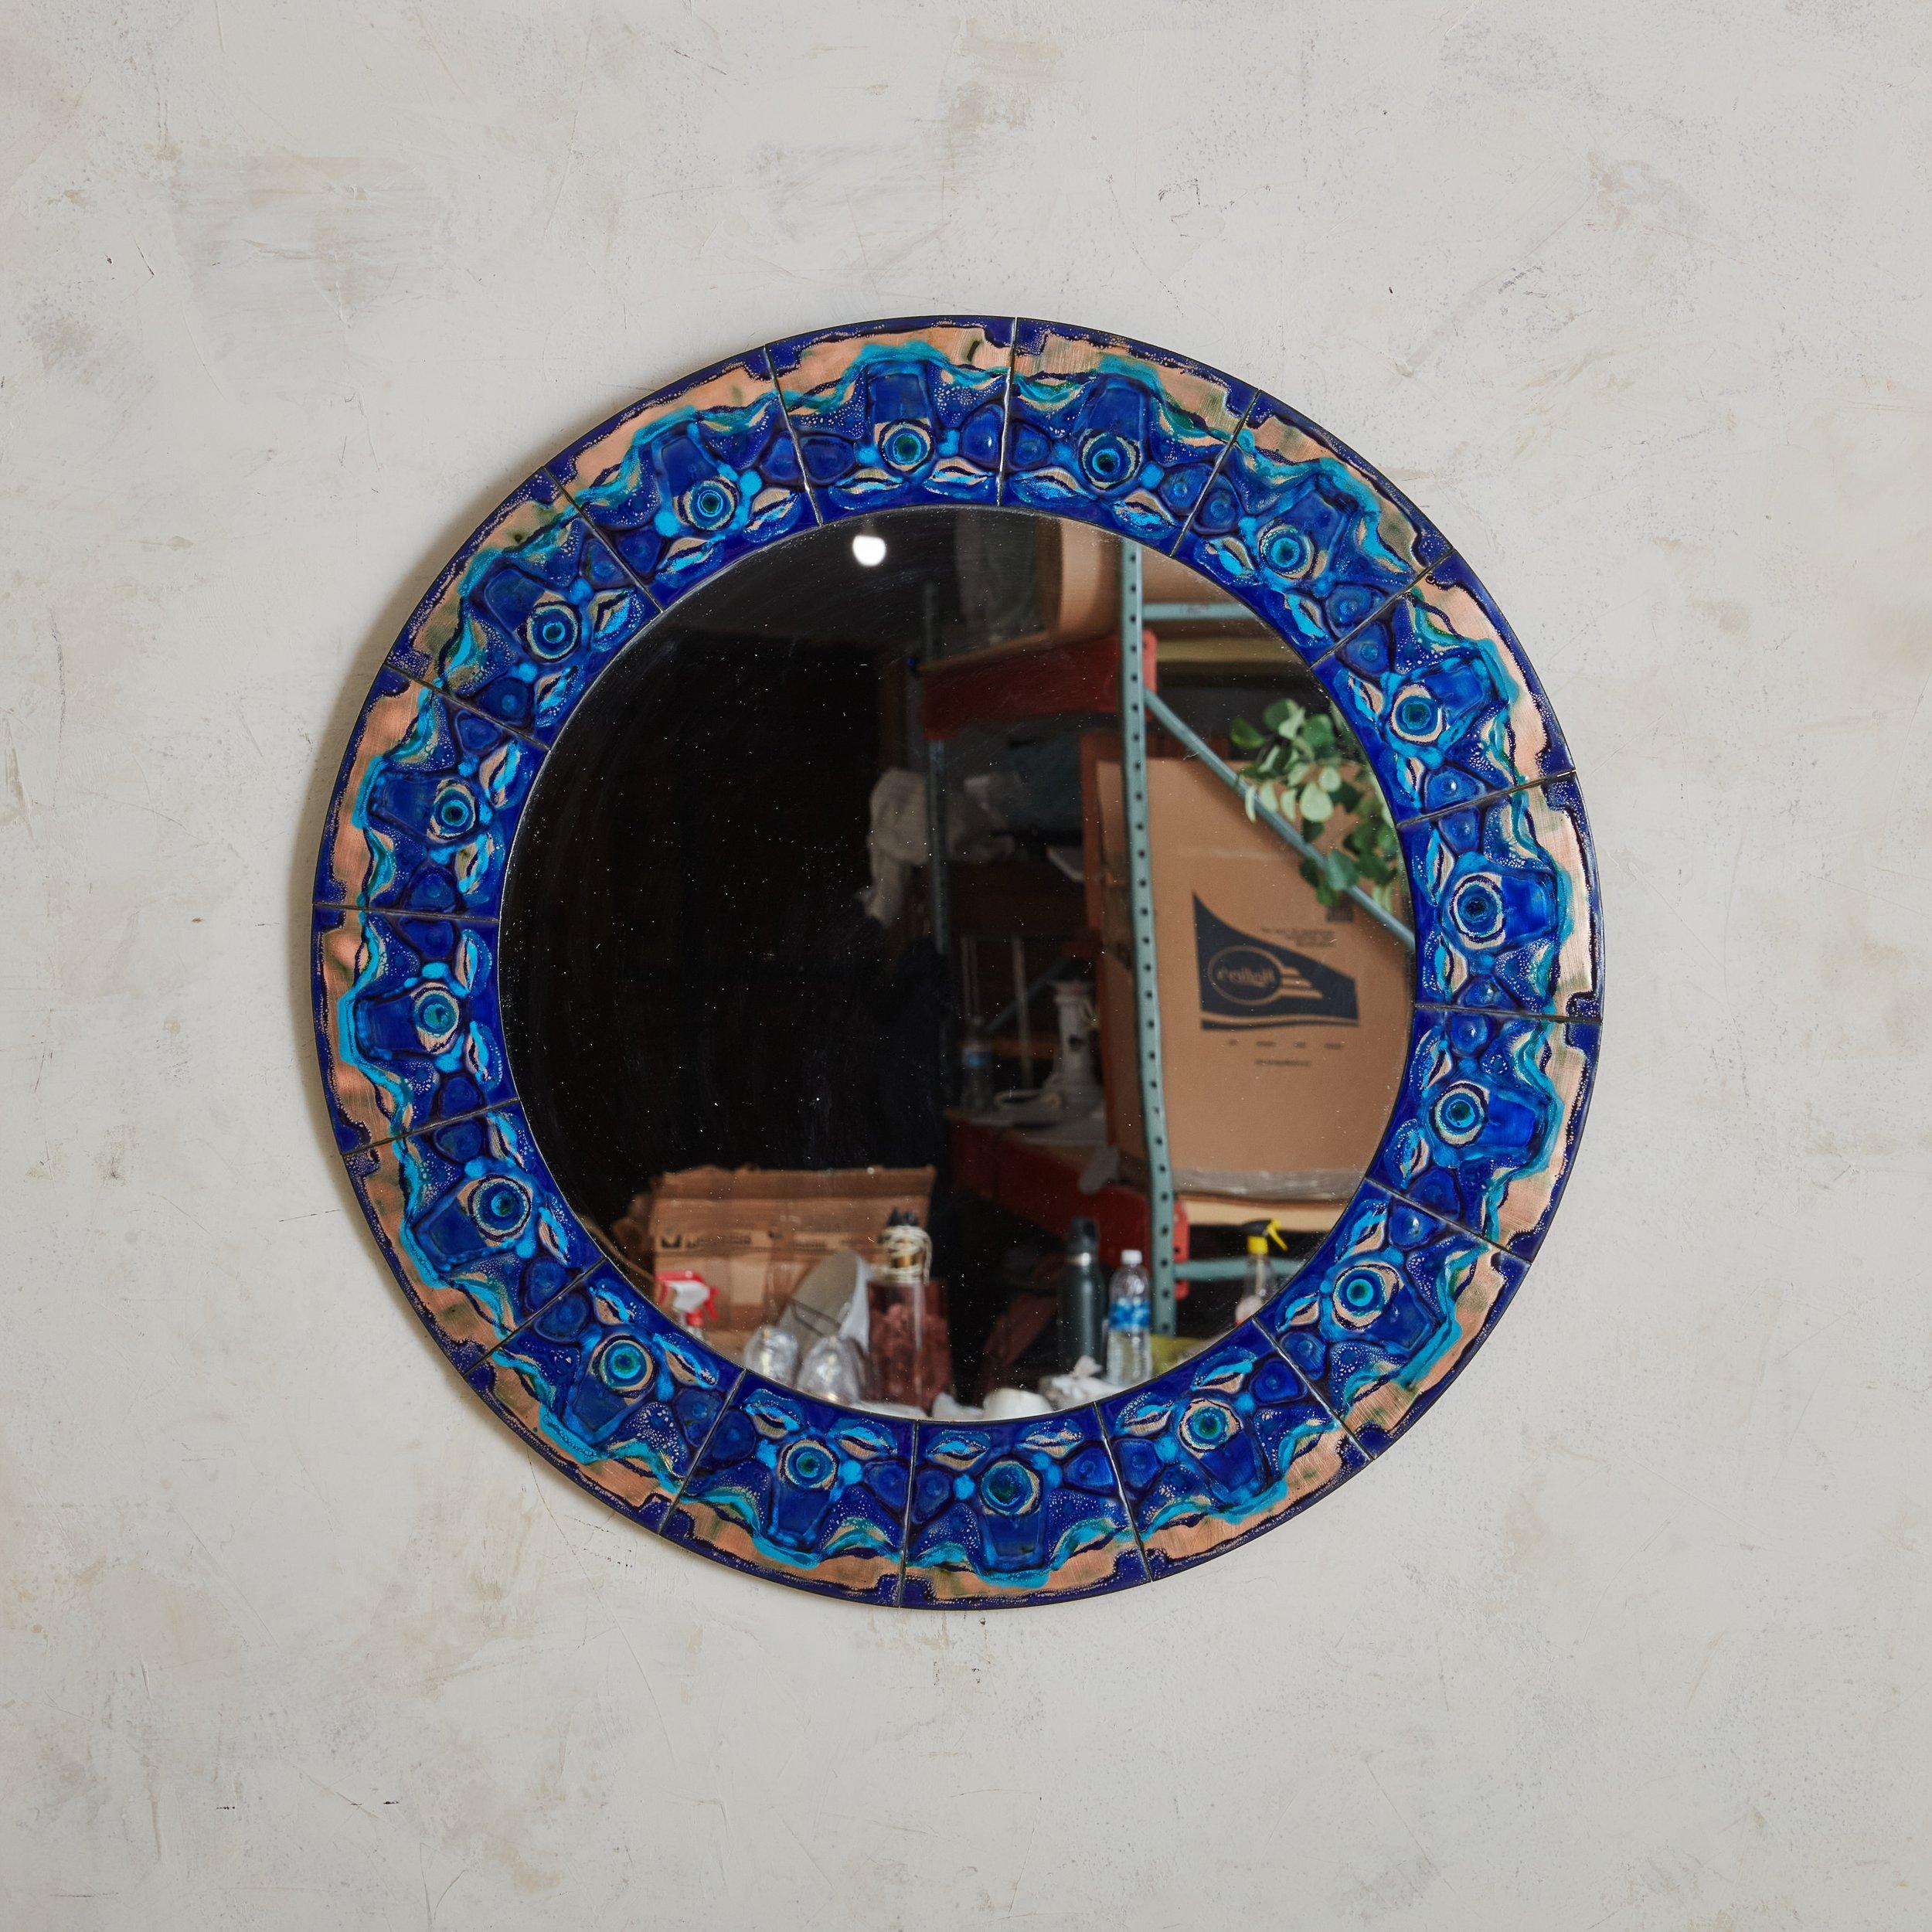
904, 446
1458, 1113
1476, 907
1109, 460
1362, 1294
708, 505
551, 631
810, 1465
1207, 1424
621, 1363
437, 1016
1010, 1488
1287, 552
453, 810
1416, 717
501, 1207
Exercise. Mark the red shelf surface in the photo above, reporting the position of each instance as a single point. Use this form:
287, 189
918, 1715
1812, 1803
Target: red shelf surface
1015, 683
1041, 1185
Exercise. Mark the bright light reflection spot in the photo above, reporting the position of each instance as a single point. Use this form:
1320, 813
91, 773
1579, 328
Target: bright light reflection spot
868, 550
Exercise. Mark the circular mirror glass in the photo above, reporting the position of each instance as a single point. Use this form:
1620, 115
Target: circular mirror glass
841, 1003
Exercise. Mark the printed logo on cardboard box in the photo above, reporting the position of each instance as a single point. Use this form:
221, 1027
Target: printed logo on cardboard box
1247, 983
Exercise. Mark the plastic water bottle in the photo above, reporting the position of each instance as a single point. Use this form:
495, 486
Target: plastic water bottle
1130, 1316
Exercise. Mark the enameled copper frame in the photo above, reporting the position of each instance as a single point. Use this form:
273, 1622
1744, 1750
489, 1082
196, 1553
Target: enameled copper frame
571, 570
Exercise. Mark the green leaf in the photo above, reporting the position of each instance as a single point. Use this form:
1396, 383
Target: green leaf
1244, 735
1330, 780
1273, 716
1340, 870
1316, 804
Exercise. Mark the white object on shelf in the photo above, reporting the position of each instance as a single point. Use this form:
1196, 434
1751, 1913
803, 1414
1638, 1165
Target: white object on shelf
1005, 1405
1083, 1382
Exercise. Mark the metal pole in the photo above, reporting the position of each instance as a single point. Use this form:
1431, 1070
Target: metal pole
1146, 983
1234, 1268
1200, 749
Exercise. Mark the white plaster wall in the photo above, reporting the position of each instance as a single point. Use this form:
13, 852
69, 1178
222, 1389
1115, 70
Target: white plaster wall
1631, 1633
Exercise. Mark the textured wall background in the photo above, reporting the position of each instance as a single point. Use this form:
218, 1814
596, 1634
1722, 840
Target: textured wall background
1631, 1633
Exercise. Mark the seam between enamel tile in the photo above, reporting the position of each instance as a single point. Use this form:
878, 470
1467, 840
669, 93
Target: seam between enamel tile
1476, 1340
426, 1127
608, 543
905, 1522
401, 912
1519, 1012
1394, 597
514, 1104
1448, 1220
791, 436
1006, 407
697, 1456
1508, 1012
1368, 1187
1308, 1387
463, 704
1221, 456
1127, 1501
1486, 799
536, 1314
727, 1388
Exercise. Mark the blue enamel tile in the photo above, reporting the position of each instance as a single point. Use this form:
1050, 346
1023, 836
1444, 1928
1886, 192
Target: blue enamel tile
1486, 1124
1442, 698
1304, 533
406, 1014
1222, 1447
1506, 914
610, 1390
425, 806
527, 613
896, 413
1112, 432
1385, 1311
693, 478
472, 1225
1026, 1512
802, 1490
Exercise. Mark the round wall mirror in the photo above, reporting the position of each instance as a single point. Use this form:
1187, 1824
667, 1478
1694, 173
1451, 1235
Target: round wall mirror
956, 962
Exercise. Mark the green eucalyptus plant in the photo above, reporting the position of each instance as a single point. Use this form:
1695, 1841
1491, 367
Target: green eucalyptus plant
1307, 766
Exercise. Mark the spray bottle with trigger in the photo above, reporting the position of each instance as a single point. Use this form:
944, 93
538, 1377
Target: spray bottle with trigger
1260, 1285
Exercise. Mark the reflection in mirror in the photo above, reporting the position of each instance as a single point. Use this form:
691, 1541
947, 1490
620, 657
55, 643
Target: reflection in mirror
876, 1126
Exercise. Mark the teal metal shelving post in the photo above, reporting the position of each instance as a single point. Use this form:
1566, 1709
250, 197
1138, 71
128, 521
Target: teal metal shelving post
1147, 984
